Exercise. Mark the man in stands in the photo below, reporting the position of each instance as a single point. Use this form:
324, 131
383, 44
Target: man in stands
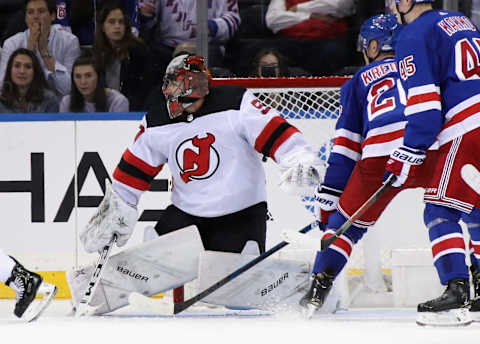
56, 49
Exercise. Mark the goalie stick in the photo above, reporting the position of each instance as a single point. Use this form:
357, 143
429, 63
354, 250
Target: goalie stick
325, 243
83, 306
471, 176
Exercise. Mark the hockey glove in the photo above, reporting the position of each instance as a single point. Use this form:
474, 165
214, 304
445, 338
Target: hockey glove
300, 171
326, 200
402, 163
113, 216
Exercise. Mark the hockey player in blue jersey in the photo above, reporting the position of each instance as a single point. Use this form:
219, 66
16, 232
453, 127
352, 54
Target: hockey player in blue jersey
370, 126
438, 54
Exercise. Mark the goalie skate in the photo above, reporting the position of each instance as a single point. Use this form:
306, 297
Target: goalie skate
450, 309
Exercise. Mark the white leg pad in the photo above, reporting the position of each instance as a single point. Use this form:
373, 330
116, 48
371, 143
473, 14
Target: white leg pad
152, 267
270, 284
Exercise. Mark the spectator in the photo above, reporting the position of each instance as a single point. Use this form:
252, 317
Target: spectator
88, 93
164, 24
309, 19
56, 49
25, 89
123, 56
268, 63
83, 14
16, 18
309, 39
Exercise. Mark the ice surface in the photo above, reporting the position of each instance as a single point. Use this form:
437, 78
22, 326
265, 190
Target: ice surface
217, 325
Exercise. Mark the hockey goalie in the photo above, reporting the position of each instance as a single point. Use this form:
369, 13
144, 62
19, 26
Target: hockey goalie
213, 140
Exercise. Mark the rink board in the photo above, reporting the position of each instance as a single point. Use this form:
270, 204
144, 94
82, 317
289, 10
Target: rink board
41, 220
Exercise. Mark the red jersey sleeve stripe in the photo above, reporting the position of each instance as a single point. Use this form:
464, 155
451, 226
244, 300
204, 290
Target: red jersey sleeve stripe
269, 129
345, 142
423, 98
140, 164
382, 138
278, 142
131, 181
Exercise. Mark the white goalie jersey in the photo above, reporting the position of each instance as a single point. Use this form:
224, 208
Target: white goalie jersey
215, 156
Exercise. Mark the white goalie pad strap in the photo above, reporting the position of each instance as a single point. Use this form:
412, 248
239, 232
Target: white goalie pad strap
152, 267
273, 284
113, 216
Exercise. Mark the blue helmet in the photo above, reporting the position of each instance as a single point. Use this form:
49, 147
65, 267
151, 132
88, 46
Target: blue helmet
382, 28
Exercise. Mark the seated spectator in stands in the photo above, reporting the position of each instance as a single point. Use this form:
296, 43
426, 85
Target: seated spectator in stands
164, 24
25, 89
84, 12
123, 56
309, 19
268, 63
56, 49
88, 92
16, 19
315, 29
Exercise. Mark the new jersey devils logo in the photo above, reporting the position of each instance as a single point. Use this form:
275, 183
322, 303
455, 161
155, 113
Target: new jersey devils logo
197, 158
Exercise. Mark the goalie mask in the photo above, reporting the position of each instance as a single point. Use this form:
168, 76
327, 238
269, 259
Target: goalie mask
185, 81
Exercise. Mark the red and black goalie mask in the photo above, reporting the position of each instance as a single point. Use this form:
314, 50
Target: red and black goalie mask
185, 81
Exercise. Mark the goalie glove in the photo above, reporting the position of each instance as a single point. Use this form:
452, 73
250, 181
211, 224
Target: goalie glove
403, 163
326, 200
300, 171
113, 216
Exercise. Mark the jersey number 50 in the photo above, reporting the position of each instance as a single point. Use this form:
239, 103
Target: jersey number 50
467, 61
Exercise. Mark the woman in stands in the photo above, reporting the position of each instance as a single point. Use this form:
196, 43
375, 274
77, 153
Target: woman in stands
124, 57
25, 89
88, 93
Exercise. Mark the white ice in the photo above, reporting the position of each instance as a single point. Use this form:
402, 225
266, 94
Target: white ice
206, 325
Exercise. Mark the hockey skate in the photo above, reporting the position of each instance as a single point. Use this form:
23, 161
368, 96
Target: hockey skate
450, 309
475, 302
315, 297
27, 285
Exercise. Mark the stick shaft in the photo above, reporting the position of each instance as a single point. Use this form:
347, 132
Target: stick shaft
325, 243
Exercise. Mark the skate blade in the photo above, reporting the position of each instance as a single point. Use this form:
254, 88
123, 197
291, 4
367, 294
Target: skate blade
453, 317
36, 308
309, 311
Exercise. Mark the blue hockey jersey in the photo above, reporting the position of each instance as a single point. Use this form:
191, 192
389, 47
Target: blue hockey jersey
371, 121
438, 56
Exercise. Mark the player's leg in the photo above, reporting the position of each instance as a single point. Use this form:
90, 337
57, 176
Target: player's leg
366, 178
472, 221
448, 249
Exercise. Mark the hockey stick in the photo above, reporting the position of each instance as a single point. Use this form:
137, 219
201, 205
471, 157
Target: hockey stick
83, 306
325, 243
181, 306
471, 176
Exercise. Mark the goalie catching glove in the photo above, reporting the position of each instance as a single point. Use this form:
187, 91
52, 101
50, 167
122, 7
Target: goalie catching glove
113, 216
403, 163
300, 171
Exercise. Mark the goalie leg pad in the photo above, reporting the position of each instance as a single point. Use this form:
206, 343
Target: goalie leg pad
158, 265
273, 284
